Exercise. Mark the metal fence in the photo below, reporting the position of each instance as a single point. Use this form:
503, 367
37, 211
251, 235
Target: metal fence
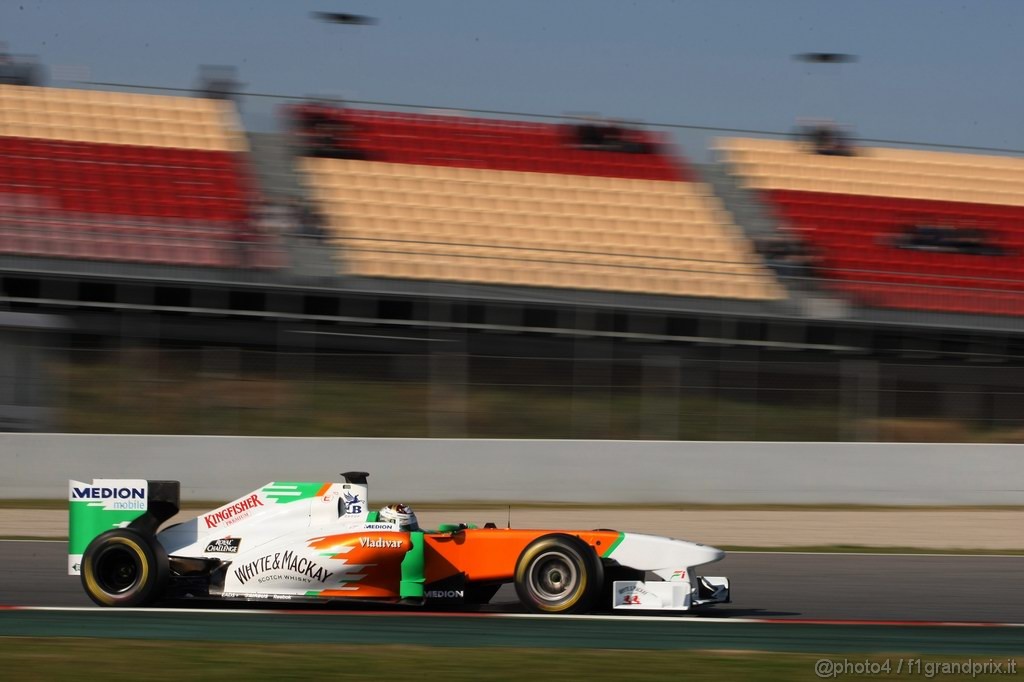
716, 394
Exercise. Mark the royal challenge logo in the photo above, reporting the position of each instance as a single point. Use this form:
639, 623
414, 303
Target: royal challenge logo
225, 546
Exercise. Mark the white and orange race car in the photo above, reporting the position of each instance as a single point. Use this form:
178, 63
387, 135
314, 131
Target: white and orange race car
317, 541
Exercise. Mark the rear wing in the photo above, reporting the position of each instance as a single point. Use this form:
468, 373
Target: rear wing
109, 503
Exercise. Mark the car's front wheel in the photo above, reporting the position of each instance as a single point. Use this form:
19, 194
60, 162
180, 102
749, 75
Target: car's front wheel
558, 573
124, 568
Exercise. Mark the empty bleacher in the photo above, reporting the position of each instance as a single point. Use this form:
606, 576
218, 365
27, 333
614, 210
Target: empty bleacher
501, 202
851, 209
125, 177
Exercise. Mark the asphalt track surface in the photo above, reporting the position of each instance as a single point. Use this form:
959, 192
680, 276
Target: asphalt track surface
867, 587
783, 602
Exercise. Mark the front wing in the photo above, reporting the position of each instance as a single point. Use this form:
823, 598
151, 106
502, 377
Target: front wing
679, 595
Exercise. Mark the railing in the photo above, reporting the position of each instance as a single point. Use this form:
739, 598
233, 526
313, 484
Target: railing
605, 391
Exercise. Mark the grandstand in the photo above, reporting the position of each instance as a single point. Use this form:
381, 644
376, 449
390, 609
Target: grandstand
474, 262
126, 177
855, 208
495, 202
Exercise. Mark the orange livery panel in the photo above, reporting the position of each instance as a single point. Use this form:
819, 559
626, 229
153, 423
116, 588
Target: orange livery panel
490, 554
372, 562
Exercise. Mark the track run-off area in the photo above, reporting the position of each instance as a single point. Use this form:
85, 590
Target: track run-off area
782, 602
510, 629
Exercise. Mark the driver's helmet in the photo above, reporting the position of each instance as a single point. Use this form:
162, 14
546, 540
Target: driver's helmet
401, 514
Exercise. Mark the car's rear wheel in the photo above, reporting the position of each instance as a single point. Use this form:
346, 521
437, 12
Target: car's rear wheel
558, 573
124, 568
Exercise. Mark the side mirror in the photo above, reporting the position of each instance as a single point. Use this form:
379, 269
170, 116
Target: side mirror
454, 528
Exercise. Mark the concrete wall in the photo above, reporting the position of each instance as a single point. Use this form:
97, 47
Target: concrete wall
224, 467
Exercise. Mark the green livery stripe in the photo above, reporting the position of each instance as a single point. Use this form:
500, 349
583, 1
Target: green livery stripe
611, 548
411, 586
86, 520
284, 492
312, 593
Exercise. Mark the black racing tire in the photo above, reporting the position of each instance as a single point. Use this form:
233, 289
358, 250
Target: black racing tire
558, 573
124, 568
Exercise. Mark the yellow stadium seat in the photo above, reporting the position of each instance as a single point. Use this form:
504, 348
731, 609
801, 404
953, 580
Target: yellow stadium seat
898, 173
538, 229
122, 118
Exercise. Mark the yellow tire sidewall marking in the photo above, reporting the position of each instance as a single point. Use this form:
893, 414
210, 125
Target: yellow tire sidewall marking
580, 589
90, 579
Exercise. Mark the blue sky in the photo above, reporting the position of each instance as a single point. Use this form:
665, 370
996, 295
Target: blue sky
929, 70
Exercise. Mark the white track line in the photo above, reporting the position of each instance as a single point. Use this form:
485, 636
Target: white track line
420, 614
518, 616
103, 609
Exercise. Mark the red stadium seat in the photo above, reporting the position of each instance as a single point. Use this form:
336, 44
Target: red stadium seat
851, 233
498, 145
124, 188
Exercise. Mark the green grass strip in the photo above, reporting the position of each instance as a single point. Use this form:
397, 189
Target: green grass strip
62, 659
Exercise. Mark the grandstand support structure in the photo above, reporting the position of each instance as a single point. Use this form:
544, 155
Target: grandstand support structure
29, 391
443, 333
757, 223
748, 211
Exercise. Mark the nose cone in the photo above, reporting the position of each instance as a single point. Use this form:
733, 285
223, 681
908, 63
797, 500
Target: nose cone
702, 554
657, 553
716, 554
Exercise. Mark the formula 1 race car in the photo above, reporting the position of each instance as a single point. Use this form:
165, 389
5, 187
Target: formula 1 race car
318, 542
